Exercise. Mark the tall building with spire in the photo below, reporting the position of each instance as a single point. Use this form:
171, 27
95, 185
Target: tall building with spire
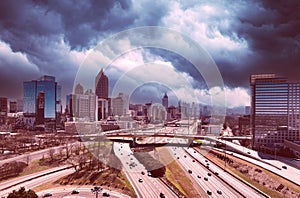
165, 101
101, 90
101, 85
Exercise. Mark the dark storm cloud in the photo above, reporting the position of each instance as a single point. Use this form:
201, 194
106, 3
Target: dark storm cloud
48, 33
181, 64
272, 32
78, 22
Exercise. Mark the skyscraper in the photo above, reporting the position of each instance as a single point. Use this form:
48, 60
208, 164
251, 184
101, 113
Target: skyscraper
275, 111
120, 105
165, 101
101, 90
82, 106
40, 108
12, 106
43, 89
79, 89
3, 110
101, 85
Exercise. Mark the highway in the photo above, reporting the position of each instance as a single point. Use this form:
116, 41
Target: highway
32, 180
83, 192
204, 183
147, 186
244, 189
34, 155
290, 173
36, 179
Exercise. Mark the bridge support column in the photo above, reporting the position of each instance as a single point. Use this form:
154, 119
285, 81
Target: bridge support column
133, 141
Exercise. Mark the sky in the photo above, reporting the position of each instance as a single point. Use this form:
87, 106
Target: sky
57, 37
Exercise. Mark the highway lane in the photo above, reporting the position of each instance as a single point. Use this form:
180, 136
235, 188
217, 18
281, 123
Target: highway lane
147, 186
13, 181
211, 183
235, 183
83, 192
33, 182
275, 166
35, 155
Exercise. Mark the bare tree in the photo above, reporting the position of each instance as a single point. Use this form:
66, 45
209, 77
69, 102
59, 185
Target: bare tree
68, 149
27, 159
51, 154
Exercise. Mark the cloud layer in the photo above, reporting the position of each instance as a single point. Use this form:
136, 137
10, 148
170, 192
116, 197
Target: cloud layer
54, 37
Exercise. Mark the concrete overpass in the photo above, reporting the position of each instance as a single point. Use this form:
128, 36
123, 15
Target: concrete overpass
173, 135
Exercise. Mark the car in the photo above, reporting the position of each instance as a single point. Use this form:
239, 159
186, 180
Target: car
219, 192
199, 176
209, 174
195, 152
162, 195
190, 171
140, 180
193, 160
143, 173
209, 192
106, 194
205, 178
249, 152
206, 161
177, 157
185, 156
75, 191
47, 194
284, 167
216, 173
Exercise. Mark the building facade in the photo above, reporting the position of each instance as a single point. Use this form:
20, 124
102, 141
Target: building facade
3, 110
101, 91
165, 101
274, 107
120, 105
43, 91
101, 85
82, 106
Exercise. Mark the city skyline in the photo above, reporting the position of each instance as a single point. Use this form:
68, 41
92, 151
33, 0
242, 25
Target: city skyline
245, 38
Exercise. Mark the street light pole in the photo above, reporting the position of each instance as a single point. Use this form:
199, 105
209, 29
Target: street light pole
225, 154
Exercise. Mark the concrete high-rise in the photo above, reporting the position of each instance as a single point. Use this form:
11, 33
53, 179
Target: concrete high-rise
82, 106
120, 105
79, 89
275, 110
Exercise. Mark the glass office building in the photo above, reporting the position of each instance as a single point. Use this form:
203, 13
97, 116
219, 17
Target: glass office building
274, 110
52, 97
29, 98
